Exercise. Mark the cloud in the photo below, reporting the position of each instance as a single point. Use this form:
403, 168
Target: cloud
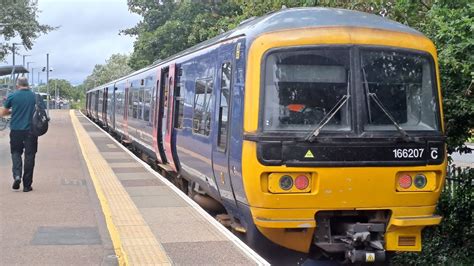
88, 35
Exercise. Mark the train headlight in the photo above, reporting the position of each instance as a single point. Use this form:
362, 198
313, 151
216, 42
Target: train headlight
420, 181
286, 182
405, 181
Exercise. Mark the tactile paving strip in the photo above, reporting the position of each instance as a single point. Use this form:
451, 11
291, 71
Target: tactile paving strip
133, 240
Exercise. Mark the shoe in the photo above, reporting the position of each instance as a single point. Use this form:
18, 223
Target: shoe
16, 183
27, 189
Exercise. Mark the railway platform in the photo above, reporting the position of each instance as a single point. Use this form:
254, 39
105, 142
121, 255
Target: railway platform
95, 203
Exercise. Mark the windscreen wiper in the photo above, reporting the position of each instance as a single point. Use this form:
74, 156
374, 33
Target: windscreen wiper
327, 118
376, 99
314, 133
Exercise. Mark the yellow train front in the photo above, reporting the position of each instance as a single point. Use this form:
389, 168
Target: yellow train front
344, 148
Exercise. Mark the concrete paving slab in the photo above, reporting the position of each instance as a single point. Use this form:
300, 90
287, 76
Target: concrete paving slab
209, 253
147, 190
73, 182
186, 230
134, 176
56, 235
121, 160
162, 215
158, 201
120, 170
123, 164
141, 182
114, 155
58, 255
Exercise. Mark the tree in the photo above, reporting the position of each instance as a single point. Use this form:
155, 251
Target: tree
115, 67
19, 18
171, 26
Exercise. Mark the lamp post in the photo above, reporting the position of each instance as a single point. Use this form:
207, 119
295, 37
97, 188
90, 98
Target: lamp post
47, 69
13, 69
28, 68
25, 55
33, 77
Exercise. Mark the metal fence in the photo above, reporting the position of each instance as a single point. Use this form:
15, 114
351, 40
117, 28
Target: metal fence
459, 178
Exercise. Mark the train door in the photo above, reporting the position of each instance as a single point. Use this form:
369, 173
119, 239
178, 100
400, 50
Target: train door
96, 105
157, 114
126, 107
168, 83
220, 147
112, 107
105, 106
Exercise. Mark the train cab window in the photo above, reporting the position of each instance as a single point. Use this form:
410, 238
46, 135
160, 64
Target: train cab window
226, 78
303, 87
401, 84
202, 107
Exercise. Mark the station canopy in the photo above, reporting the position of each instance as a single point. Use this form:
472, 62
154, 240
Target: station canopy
7, 70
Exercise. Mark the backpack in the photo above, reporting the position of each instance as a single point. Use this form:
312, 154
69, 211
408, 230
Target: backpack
39, 121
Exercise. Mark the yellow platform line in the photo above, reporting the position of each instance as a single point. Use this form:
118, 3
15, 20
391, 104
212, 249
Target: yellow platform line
133, 240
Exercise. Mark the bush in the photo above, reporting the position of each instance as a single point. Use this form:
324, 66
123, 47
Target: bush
452, 241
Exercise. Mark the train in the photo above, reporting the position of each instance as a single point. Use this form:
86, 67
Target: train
312, 129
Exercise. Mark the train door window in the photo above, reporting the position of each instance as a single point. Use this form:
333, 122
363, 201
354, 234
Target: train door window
118, 102
96, 104
226, 78
202, 107
179, 94
101, 100
147, 101
130, 102
141, 102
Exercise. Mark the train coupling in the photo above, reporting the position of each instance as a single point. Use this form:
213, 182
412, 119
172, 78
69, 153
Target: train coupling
364, 242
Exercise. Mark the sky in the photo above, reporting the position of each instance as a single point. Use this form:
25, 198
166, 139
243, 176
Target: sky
88, 35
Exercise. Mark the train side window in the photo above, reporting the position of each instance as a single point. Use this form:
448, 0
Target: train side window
226, 78
202, 107
179, 94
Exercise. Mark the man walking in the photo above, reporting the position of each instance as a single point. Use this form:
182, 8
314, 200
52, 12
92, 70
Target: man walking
21, 106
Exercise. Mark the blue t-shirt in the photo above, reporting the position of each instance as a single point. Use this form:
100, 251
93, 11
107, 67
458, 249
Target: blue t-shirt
22, 102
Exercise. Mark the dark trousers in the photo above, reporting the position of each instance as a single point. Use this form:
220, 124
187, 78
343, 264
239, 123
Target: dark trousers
23, 140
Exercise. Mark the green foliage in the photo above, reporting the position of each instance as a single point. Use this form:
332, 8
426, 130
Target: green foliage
171, 26
19, 18
451, 27
451, 242
115, 67
64, 88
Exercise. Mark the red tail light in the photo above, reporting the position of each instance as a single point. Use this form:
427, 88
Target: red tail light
405, 181
301, 182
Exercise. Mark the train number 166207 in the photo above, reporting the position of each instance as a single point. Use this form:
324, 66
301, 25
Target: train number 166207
408, 153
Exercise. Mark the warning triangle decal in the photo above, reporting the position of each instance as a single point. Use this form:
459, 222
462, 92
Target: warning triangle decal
309, 154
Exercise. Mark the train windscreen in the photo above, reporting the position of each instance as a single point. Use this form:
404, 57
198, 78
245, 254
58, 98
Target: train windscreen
302, 87
402, 83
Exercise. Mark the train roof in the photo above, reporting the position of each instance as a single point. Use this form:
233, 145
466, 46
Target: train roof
302, 17
291, 18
